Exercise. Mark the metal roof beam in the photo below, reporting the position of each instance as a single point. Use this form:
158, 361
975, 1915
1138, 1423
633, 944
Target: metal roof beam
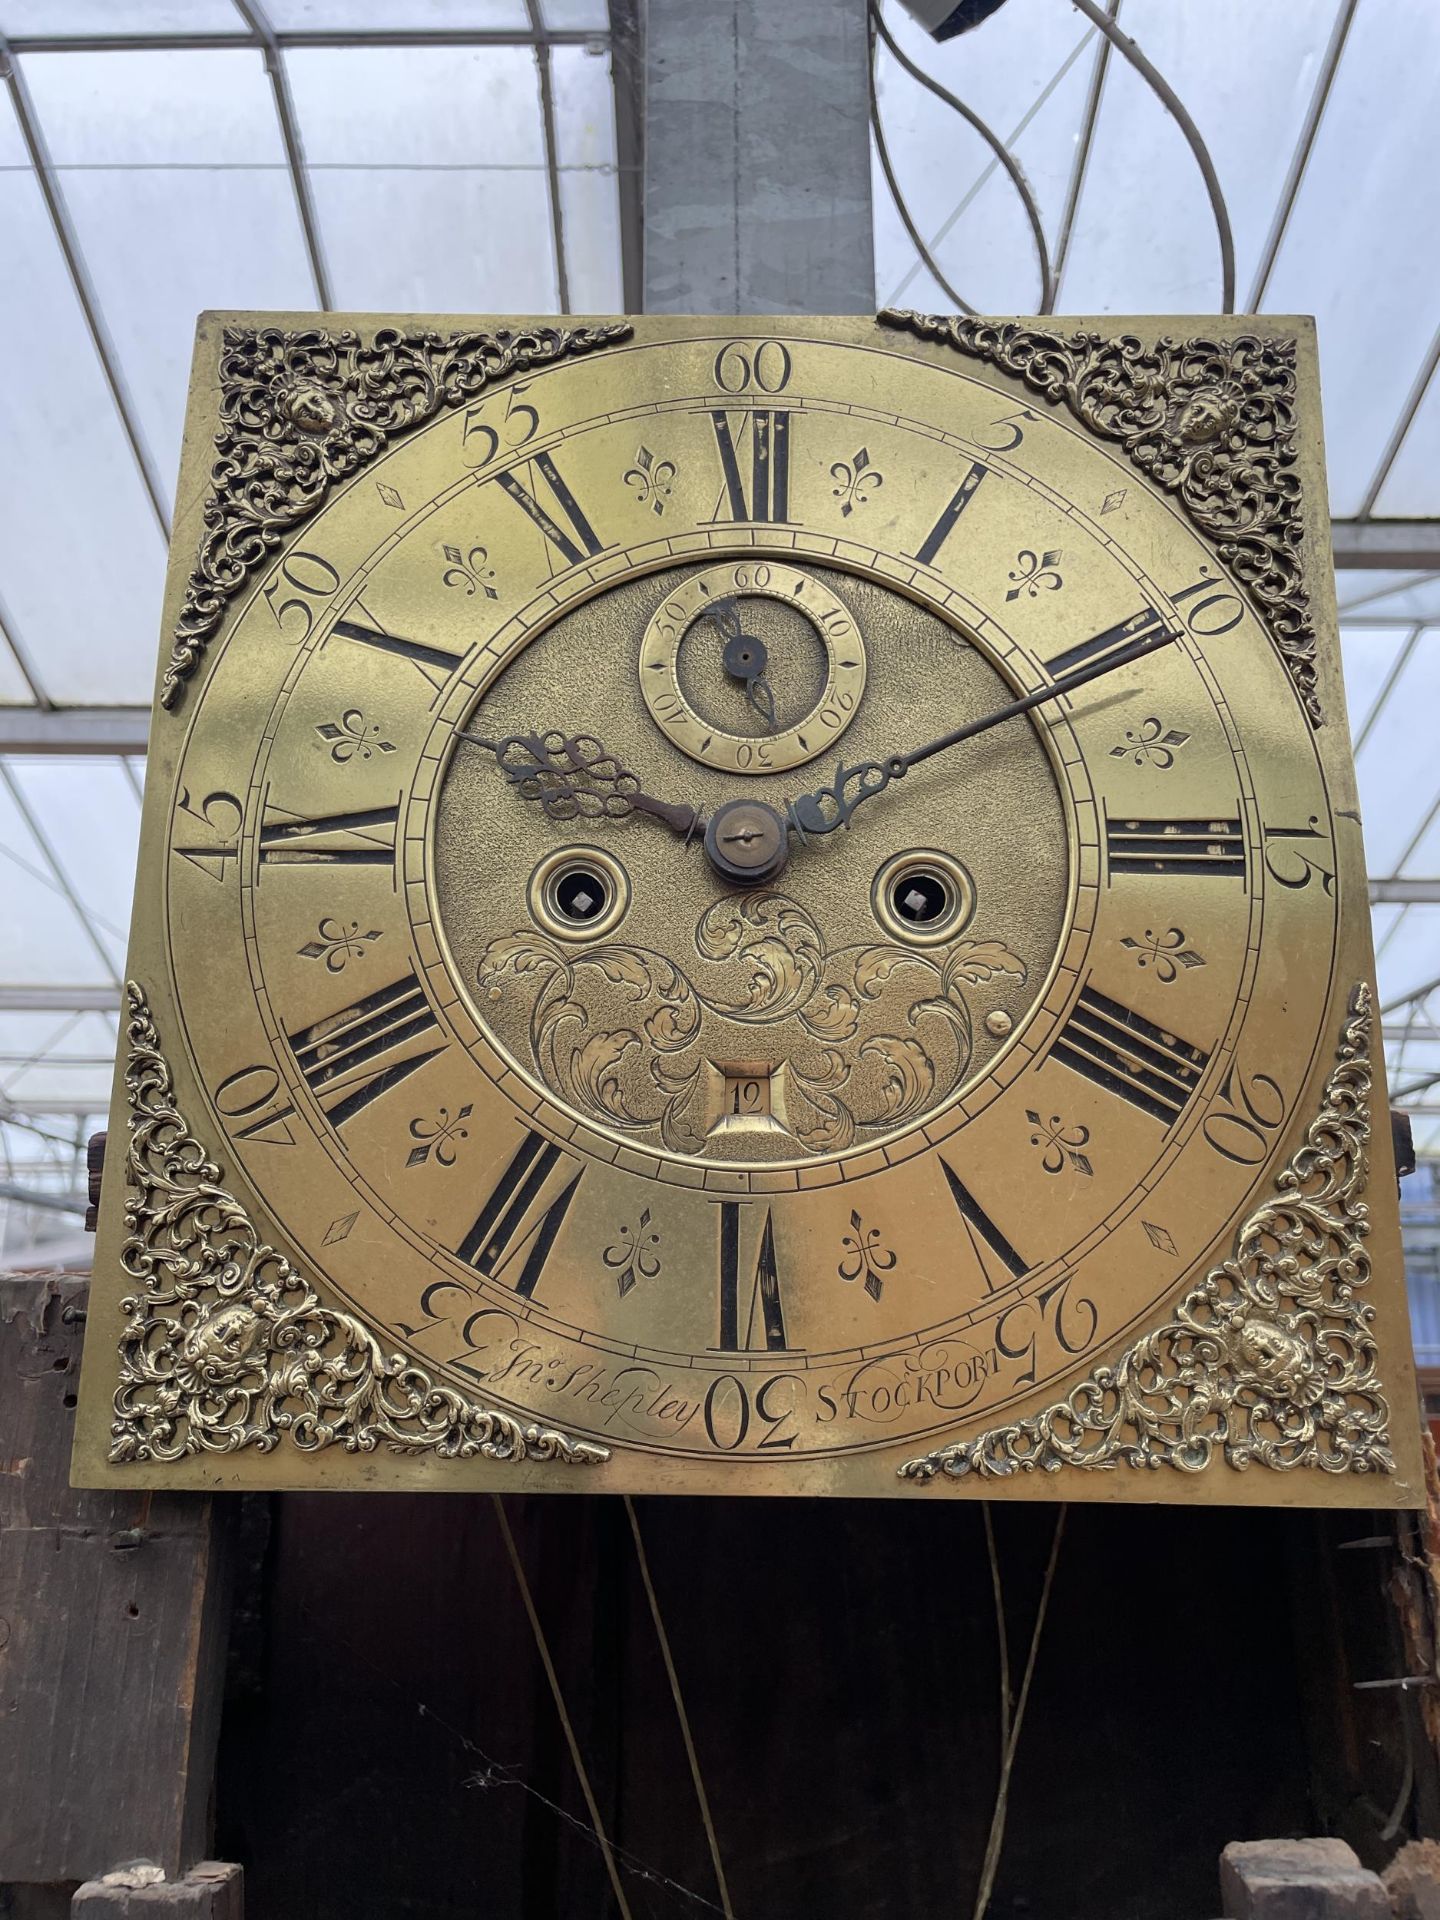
1399, 891
307, 37
59, 999
1397, 544
255, 18
107, 730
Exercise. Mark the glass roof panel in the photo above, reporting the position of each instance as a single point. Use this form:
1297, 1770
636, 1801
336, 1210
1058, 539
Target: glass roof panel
442, 150
14, 687
82, 558
1369, 655
1388, 596
589, 183
562, 16
1145, 241
42, 937
174, 172
93, 827
1411, 487
1396, 764
62, 18
1411, 956
1360, 248
49, 1061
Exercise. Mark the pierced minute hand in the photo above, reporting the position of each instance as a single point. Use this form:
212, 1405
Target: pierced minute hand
832, 806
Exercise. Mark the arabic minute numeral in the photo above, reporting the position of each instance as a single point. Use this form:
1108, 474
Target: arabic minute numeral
1292, 867
309, 580
762, 366
256, 1096
1072, 1324
1010, 425
220, 815
1246, 1111
487, 429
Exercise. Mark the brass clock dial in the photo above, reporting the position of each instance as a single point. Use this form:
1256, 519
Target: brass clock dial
571, 949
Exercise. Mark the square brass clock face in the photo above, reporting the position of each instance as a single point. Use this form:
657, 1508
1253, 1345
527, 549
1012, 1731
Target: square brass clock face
752, 906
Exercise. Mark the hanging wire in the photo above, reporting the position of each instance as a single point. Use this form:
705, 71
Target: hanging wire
901, 204
663, 1637
880, 31
1173, 104
996, 1838
987, 173
542, 1647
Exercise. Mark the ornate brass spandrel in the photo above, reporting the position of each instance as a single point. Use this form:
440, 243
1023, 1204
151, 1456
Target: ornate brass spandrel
1271, 1361
303, 409
228, 1347
1212, 421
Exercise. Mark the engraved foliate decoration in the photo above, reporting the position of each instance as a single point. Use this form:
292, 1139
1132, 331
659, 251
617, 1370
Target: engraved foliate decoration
226, 1346
1270, 1361
1213, 422
302, 410
873, 1037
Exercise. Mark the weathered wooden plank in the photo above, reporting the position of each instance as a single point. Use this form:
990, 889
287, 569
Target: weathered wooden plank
112, 1629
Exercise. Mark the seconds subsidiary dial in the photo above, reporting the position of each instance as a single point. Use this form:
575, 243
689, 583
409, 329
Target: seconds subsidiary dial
752, 668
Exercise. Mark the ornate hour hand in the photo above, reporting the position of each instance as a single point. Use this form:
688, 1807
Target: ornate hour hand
832, 806
574, 778
745, 658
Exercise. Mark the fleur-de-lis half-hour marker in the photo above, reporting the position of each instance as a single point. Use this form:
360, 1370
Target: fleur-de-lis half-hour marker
1033, 572
652, 480
1150, 745
865, 1253
353, 737
440, 1136
1059, 1143
469, 568
633, 1256
855, 480
335, 943
1165, 952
